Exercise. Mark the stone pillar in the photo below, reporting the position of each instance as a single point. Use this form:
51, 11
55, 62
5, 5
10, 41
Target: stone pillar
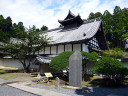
57, 82
75, 69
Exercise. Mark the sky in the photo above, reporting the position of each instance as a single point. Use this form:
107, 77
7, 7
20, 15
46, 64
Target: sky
48, 12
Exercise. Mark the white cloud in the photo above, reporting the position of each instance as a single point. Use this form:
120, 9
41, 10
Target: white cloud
47, 12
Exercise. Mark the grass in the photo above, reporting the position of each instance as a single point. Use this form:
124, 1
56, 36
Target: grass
88, 82
14, 75
4, 71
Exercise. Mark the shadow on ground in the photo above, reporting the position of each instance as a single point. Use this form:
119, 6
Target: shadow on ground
93, 91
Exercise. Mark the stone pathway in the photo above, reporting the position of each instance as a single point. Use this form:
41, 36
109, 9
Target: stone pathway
40, 92
25, 90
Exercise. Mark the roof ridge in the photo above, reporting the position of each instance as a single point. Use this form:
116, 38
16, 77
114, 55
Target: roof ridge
92, 20
52, 30
85, 22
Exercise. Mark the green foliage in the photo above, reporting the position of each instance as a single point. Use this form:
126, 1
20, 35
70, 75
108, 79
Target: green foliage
94, 15
115, 25
115, 53
5, 28
44, 28
110, 68
91, 57
61, 62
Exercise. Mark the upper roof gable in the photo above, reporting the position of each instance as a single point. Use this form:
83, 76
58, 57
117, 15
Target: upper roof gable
70, 15
71, 20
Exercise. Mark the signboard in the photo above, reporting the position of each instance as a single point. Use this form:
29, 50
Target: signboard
48, 74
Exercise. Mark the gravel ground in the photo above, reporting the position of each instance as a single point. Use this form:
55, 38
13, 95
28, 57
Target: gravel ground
9, 91
92, 91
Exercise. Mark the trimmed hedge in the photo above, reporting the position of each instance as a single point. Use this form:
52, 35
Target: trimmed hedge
61, 62
110, 68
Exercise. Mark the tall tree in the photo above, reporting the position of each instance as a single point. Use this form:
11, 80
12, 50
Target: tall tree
91, 16
44, 28
118, 28
18, 30
94, 15
6, 28
107, 24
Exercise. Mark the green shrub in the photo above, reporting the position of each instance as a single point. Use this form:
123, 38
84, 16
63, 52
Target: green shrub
110, 68
116, 53
91, 57
61, 62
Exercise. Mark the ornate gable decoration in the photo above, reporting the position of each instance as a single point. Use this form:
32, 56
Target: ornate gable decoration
71, 20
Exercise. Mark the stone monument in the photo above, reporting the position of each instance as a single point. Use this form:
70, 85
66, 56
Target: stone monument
75, 69
57, 84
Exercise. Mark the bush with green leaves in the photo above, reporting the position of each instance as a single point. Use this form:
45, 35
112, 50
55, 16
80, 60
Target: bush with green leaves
110, 68
61, 62
115, 53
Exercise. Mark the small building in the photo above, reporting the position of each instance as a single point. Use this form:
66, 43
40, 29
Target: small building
75, 35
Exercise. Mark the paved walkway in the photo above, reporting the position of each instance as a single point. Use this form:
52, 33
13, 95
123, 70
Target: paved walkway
9, 91
25, 89
37, 91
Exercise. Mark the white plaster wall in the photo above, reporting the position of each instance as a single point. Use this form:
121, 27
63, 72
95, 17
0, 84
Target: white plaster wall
85, 48
41, 52
76, 47
53, 50
68, 47
60, 49
13, 63
47, 50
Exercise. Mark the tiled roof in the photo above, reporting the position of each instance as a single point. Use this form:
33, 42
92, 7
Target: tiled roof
86, 31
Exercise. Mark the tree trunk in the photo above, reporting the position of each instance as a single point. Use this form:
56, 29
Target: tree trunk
26, 68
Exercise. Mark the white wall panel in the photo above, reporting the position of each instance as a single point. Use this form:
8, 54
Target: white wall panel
68, 47
53, 50
76, 47
60, 49
47, 50
85, 48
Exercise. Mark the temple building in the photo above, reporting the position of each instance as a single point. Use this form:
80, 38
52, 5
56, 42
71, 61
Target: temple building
75, 35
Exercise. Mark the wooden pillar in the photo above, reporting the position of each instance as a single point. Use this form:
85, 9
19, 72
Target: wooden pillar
72, 47
64, 48
50, 49
57, 49
81, 47
44, 50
